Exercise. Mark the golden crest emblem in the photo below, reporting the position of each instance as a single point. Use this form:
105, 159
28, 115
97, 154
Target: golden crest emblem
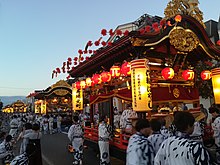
176, 92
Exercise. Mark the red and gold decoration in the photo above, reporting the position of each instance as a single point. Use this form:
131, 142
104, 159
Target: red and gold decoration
77, 98
216, 84
96, 79
115, 71
126, 69
206, 75
140, 83
188, 74
77, 85
167, 73
106, 76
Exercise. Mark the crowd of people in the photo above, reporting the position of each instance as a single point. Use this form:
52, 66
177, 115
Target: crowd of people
26, 130
152, 145
153, 142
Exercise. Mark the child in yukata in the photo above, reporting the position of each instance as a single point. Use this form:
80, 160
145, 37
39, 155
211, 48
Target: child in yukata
140, 150
156, 138
105, 132
179, 149
75, 135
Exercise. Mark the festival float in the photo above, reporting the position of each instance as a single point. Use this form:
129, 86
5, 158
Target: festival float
55, 99
147, 63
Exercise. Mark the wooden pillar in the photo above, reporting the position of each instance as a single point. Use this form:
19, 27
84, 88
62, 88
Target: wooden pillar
91, 113
111, 118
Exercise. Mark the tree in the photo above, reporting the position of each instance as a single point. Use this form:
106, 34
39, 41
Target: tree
205, 86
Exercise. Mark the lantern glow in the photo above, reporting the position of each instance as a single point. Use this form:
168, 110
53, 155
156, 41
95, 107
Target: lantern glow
206, 75
88, 81
83, 84
96, 78
188, 74
140, 83
167, 73
216, 84
115, 71
126, 69
105, 76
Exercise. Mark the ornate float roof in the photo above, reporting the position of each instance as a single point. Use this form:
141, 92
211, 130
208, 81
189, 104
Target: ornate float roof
59, 89
184, 40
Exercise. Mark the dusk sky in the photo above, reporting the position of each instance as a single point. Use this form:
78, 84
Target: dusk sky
37, 36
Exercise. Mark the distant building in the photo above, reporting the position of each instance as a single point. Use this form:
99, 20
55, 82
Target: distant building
213, 30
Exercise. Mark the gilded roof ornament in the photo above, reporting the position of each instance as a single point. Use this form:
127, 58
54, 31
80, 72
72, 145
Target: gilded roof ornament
183, 40
185, 7
61, 83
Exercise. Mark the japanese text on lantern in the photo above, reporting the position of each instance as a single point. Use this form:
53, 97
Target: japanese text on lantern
141, 93
134, 99
77, 98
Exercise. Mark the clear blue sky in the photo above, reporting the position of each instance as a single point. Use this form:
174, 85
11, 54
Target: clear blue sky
36, 36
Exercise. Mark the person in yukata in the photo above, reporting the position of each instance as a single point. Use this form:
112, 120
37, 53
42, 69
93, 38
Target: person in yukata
75, 135
179, 149
13, 126
27, 129
105, 132
216, 128
140, 150
50, 122
33, 147
59, 120
156, 138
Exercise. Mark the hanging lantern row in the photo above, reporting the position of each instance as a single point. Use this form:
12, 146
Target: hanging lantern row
117, 32
168, 74
162, 24
104, 77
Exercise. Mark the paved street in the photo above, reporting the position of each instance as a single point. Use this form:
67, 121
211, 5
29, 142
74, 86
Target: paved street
54, 152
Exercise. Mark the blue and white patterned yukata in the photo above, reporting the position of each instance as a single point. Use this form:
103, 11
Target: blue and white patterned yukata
105, 132
140, 150
179, 150
156, 140
75, 135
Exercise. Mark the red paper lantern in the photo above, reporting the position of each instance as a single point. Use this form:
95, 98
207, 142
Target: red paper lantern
178, 18
188, 74
77, 85
80, 51
126, 69
126, 33
118, 32
206, 75
167, 73
115, 71
105, 76
218, 43
90, 51
89, 43
148, 28
96, 78
111, 33
104, 32
103, 43
69, 59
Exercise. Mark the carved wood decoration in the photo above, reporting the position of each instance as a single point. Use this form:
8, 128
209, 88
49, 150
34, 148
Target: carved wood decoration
186, 7
183, 40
